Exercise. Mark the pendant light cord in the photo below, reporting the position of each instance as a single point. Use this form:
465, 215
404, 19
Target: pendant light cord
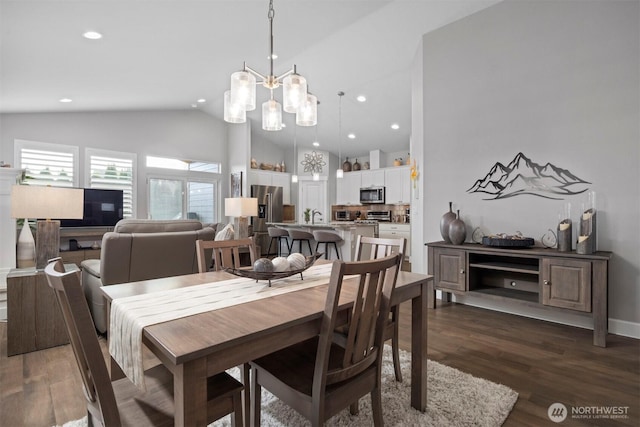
340, 94
295, 151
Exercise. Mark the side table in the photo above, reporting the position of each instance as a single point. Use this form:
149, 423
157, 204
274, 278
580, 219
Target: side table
34, 320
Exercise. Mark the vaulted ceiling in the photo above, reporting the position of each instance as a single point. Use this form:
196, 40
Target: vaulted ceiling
167, 54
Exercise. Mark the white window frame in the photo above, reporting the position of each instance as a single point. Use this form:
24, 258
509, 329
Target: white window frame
21, 144
89, 152
186, 177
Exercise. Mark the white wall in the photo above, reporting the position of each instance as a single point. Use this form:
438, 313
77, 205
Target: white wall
188, 134
558, 81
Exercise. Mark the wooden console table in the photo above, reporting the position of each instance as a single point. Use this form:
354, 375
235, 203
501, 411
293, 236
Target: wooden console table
534, 277
34, 320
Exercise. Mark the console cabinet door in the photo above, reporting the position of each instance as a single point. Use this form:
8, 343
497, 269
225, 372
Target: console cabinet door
566, 283
449, 269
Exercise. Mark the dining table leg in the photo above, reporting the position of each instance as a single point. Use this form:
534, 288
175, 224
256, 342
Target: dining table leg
419, 348
190, 393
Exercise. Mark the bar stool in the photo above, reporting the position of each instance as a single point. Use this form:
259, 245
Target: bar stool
327, 237
300, 236
278, 234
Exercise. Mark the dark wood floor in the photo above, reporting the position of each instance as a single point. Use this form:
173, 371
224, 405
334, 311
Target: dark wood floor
544, 362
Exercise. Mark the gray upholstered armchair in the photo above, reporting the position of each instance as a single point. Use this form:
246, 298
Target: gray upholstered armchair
140, 250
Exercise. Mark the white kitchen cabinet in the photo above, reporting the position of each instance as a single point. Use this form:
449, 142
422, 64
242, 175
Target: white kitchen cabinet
278, 179
392, 230
397, 181
373, 178
348, 188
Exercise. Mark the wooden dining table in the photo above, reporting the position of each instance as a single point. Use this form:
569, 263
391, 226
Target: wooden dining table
202, 345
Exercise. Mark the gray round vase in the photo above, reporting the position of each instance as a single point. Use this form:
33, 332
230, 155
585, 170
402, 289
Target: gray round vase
457, 231
444, 223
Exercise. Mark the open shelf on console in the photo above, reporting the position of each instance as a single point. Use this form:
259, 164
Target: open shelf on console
516, 264
507, 293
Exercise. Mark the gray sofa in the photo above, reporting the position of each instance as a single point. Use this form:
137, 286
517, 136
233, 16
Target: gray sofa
140, 250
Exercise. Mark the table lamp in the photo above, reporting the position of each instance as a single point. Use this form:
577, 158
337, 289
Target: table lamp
30, 201
241, 208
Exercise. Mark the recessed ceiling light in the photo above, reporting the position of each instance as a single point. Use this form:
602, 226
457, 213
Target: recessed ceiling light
395, 126
66, 100
92, 35
361, 98
194, 105
201, 100
275, 56
351, 136
316, 144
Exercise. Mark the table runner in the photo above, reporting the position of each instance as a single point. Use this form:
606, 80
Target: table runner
130, 315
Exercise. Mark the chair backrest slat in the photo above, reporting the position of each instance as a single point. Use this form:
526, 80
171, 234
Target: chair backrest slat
101, 400
373, 282
226, 253
380, 247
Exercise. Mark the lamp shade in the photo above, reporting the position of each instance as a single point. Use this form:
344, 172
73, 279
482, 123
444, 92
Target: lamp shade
271, 115
30, 201
294, 90
241, 206
233, 113
243, 90
307, 114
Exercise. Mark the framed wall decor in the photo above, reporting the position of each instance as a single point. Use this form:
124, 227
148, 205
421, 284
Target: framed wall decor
236, 184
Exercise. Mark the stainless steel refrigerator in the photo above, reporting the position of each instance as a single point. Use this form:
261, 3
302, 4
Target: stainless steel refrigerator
269, 210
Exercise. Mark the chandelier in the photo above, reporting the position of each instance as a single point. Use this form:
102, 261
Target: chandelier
296, 99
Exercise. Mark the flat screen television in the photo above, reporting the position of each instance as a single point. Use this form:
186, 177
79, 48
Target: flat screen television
102, 208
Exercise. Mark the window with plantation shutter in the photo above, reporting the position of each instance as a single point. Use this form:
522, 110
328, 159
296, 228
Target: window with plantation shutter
47, 164
111, 170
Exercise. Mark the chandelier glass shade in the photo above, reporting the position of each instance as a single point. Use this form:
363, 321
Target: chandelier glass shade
296, 98
307, 114
243, 90
233, 113
271, 115
294, 90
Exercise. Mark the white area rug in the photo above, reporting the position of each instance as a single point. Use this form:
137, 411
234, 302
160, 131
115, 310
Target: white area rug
454, 398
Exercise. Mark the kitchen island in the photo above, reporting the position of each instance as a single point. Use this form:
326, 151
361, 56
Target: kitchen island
348, 230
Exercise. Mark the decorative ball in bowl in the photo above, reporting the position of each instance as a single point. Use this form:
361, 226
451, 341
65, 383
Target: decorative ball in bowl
278, 268
263, 265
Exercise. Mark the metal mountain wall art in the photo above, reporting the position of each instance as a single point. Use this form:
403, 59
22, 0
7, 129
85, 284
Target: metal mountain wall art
522, 176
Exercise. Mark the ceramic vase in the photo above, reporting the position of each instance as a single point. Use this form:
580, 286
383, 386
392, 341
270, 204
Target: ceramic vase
356, 165
346, 166
444, 223
26, 249
457, 230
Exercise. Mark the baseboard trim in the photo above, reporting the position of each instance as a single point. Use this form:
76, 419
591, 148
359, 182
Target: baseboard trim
615, 326
624, 328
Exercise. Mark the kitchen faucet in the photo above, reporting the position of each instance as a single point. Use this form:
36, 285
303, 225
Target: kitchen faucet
313, 215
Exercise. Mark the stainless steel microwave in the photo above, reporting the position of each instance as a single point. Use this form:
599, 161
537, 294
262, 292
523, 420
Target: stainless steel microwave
342, 216
372, 195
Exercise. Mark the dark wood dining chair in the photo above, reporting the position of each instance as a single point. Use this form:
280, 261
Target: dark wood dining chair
121, 403
373, 248
319, 378
226, 253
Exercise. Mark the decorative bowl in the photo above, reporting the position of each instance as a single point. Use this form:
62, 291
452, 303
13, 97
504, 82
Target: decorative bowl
273, 275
